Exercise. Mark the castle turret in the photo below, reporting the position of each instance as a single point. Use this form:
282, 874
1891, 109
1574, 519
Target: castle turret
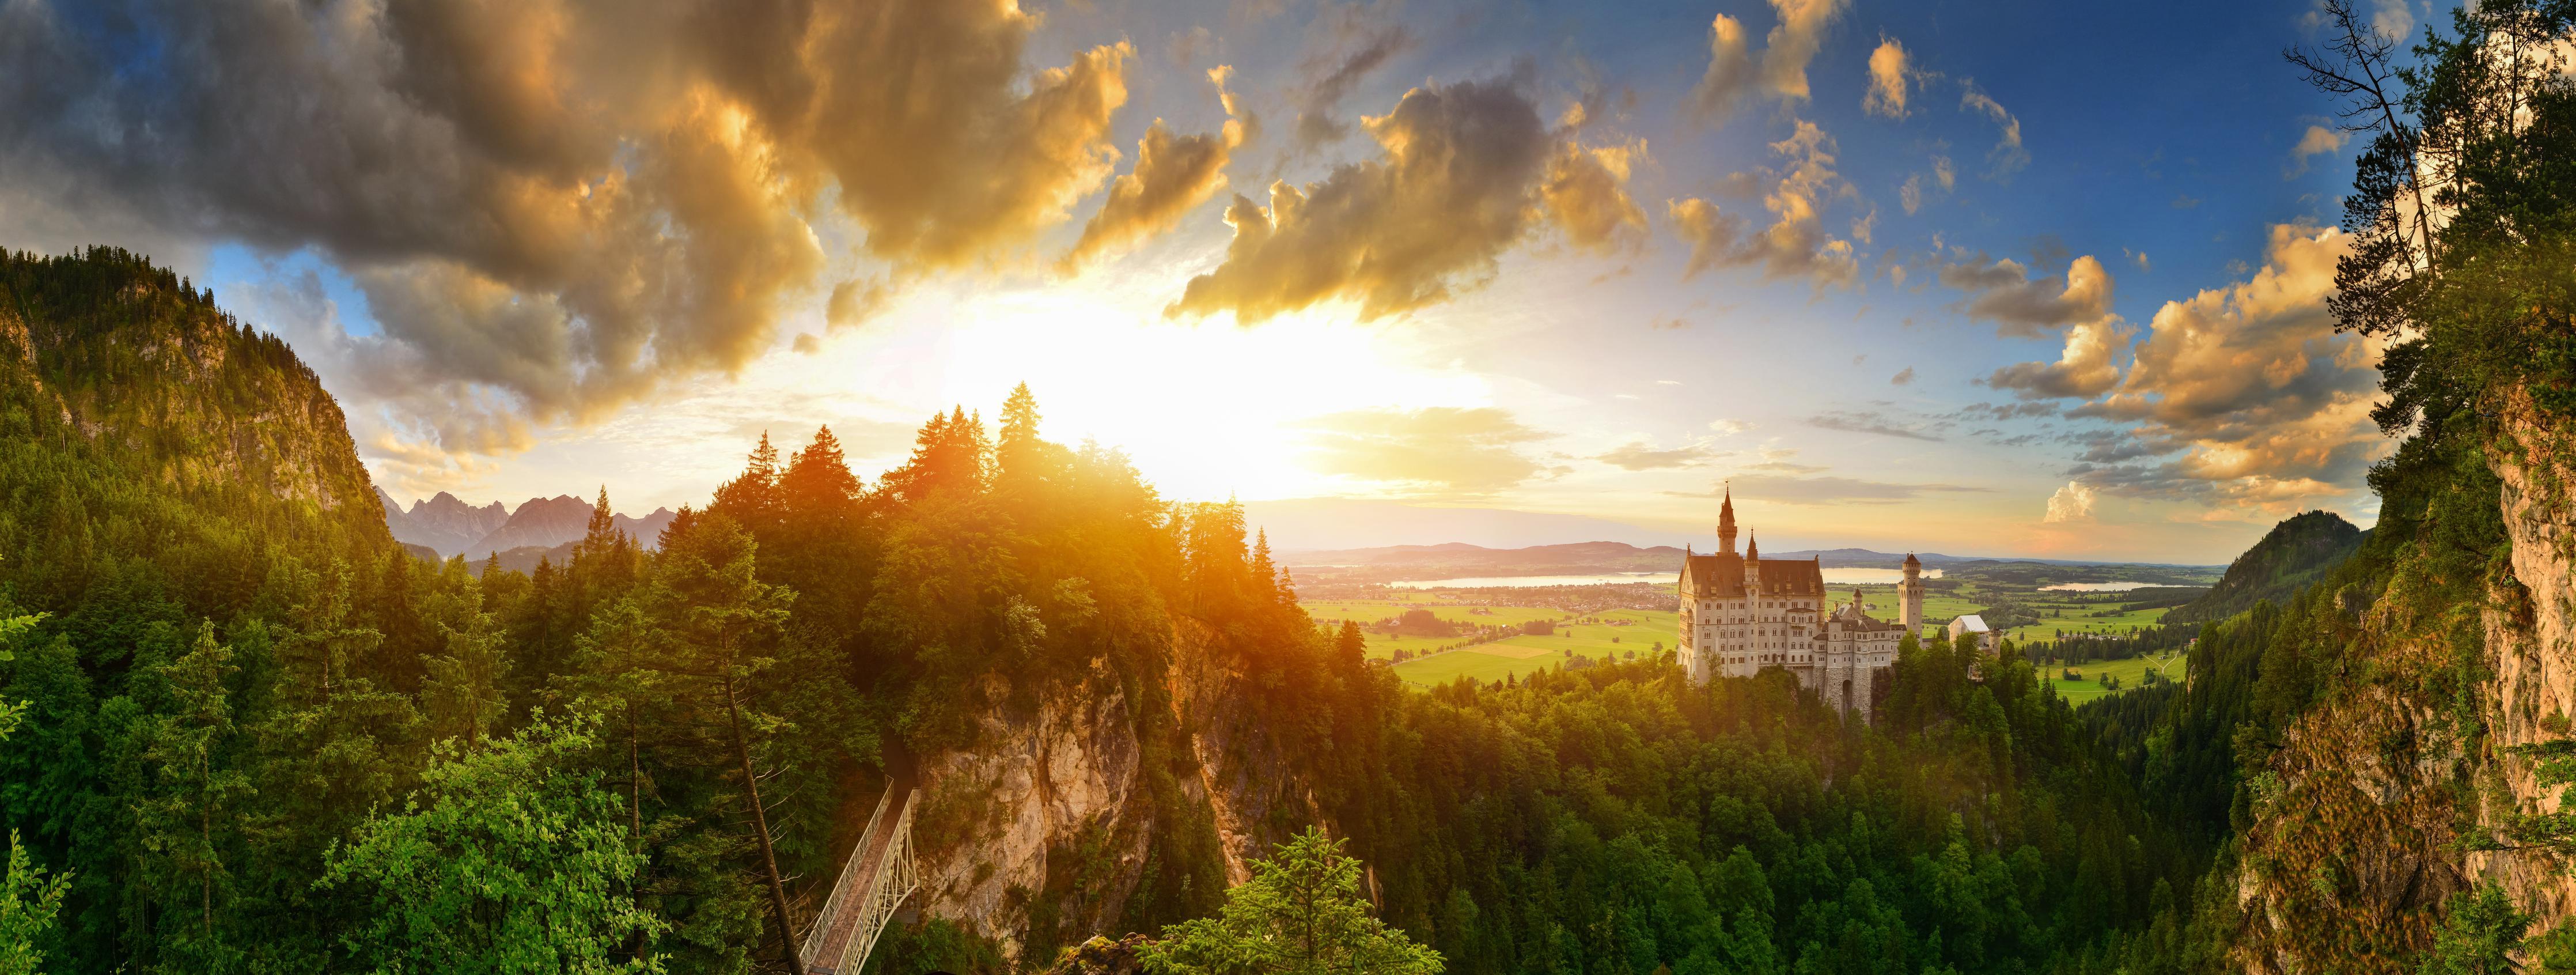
1726, 524
1753, 564
1909, 595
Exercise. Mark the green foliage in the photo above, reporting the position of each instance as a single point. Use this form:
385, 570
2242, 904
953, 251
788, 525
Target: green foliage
1302, 913
511, 858
28, 903
2479, 934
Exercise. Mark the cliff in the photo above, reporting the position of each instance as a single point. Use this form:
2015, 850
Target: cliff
1105, 791
2455, 645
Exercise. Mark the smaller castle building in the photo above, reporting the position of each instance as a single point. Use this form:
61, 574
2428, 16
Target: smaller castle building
1740, 614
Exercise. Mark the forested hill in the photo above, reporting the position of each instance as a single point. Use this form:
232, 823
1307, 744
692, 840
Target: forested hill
2295, 553
134, 407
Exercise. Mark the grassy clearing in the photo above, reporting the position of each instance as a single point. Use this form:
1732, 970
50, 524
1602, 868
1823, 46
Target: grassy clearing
2131, 672
1485, 663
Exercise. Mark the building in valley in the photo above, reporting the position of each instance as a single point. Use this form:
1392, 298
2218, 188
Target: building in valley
1973, 627
1740, 614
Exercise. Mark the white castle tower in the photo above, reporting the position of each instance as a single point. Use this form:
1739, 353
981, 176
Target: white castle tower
1909, 596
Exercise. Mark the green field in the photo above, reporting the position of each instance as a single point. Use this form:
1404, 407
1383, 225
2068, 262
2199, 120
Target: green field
1382, 646
1971, 597
1616, 633
2131, 673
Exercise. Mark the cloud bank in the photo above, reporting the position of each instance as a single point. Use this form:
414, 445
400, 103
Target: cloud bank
557, 207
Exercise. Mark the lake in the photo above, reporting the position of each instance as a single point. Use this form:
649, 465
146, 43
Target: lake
2100, 586
1833, 577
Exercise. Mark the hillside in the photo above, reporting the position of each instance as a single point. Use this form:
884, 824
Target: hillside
2295, 553
137, 409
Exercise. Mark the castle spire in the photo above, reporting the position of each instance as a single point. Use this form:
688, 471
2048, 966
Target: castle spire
1753, 549
1726, 523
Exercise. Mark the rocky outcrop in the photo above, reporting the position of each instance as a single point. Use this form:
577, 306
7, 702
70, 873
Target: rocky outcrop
1101, 956
1246, 778
1039, 786
2531, 642
2358, 821
1041, 830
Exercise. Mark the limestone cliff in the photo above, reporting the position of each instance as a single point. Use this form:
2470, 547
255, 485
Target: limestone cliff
1040, 832
2369, 815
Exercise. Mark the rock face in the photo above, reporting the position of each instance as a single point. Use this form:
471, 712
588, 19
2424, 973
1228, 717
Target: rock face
2353, 845
1035, 786
1249, 784
2531, 644
1042, 829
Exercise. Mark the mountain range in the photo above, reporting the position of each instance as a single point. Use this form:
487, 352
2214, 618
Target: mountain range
449, 526
1459, 557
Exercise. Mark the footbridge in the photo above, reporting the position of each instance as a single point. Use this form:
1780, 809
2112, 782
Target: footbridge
881, 872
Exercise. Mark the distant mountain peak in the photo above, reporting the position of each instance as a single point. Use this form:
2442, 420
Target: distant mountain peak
449, 525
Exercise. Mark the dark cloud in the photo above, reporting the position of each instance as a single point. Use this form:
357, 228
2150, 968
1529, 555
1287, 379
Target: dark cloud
2003, 291
553, 208
1359, 47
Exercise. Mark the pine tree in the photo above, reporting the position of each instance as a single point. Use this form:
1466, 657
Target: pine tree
196, 789
719, 628
1302, 913
463, 691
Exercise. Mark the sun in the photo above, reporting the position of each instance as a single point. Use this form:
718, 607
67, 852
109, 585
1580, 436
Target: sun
1205, 409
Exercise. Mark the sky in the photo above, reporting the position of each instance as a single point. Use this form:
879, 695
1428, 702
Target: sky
2042, 279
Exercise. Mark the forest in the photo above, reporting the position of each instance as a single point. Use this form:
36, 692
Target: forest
259, 736
247, 732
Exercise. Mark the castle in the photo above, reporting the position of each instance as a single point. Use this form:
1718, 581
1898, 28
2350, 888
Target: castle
1740, 614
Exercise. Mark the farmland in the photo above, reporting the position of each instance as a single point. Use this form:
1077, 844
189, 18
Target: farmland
1603, 622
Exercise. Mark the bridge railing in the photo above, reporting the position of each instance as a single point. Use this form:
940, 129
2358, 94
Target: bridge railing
867, 893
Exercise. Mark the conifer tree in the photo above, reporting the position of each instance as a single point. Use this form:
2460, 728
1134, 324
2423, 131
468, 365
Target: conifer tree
1302, 913
179, 823
463, 692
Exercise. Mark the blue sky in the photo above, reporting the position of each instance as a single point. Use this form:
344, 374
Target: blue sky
597, 250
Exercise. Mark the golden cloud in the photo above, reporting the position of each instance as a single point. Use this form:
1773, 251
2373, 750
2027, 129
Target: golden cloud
1173, 175
2088, 368
1441, 449
559, 207
1587, 194
1463, 172
2252, 385
1887, 80
1796, 244
1781, 72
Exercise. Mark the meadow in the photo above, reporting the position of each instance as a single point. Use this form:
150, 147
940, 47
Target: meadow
1615, 633
2131, 672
